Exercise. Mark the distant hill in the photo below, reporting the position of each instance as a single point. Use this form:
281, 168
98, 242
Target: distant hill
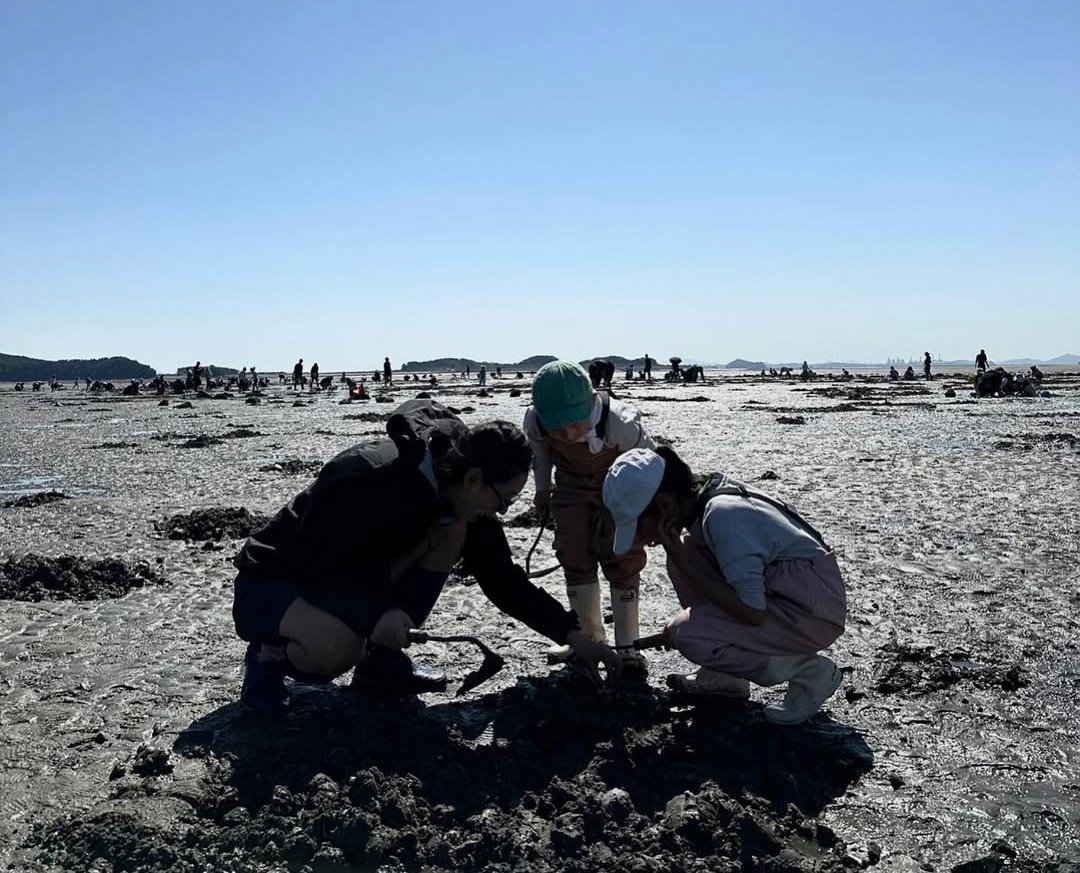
16, 368
742, 364
457, 365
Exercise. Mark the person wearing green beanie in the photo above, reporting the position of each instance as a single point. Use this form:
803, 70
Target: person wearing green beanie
580, 433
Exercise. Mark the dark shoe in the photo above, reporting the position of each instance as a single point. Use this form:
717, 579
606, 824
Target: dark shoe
391, 671
263, 692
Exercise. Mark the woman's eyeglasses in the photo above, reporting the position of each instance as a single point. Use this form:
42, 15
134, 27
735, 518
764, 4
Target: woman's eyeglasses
502, 502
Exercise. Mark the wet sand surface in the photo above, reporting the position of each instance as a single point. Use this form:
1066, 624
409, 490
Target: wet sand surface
951, 744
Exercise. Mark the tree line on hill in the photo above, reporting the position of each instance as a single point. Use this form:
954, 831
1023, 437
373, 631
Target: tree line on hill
17, 368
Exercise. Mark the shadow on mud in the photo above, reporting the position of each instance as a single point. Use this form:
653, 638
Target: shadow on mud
502, 746
547, 773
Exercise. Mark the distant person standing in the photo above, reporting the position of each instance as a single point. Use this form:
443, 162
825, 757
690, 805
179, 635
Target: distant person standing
648, 368
481, 375
254, 379
298, 373
926, 365
315, 377
196, 374
387, 371
981, 362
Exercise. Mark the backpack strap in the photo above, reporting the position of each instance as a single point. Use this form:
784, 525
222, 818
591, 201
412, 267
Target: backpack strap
605, 410
722, 484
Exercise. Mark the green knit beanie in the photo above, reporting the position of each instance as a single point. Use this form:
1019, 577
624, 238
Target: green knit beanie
561, 394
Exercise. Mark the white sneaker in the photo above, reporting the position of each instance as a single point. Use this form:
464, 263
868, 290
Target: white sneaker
810, 686
557, 654
707, 682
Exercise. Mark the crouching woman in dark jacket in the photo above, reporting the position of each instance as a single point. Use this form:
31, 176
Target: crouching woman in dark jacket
341, 574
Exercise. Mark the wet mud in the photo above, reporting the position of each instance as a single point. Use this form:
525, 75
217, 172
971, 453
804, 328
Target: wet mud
541, 776
918, 670
36, 578
951, 745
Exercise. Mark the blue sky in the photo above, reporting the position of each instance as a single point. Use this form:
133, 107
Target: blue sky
249, 182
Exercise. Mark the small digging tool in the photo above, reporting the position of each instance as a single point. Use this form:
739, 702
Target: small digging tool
492, 663
653, 641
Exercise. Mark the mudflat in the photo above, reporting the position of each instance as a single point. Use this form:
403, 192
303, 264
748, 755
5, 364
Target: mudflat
951, 745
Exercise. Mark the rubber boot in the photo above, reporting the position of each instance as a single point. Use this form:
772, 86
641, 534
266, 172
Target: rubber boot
263, 693
812, 679
585, 601
624, 607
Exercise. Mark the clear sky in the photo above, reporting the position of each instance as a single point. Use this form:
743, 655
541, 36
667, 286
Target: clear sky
248, 182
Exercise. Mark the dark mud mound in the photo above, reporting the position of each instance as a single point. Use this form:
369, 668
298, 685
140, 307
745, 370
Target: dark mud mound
545, 776
230, 522
529, 519
35, 578
241, 433
30, 500
202, 441
292, 467
696, 399
366, 416
1026, 442
119, 445
791, 419
920, 670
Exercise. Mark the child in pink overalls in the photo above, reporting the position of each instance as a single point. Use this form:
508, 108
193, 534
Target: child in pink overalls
761, 591
580, 433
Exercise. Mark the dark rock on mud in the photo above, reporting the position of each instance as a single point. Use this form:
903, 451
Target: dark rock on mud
790, 419
241, 433
230, 522
120, 445
27, 501
187, 404
36, 578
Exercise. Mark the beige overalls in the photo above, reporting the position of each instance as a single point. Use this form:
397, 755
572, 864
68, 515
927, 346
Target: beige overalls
584, 529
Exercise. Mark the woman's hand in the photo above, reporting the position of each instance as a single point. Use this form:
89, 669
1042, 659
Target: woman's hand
391, 631
590, 655
542, 502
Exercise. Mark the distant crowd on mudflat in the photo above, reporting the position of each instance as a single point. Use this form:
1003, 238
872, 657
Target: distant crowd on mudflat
987, 381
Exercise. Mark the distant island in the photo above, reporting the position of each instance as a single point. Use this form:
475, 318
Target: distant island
16, 368
458, 365
530, 364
